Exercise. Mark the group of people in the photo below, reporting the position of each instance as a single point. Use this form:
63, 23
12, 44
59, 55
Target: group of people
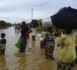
25, 30
66, 41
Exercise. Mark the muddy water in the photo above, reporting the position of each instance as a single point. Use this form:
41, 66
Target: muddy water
32, 59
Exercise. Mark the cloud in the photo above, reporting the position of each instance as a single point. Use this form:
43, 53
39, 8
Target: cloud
21, 9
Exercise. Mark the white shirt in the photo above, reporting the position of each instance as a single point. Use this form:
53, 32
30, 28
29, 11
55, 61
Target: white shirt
33, 31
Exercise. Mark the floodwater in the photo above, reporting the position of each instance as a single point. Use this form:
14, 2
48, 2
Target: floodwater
32, 59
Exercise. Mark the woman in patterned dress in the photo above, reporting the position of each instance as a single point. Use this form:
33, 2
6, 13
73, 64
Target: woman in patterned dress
23, 37
49, 44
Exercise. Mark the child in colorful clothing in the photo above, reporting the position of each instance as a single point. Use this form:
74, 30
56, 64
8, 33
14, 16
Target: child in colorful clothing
49, 44
68, 55
2, 44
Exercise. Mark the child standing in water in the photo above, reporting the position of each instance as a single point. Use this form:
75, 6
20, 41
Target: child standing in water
2, 44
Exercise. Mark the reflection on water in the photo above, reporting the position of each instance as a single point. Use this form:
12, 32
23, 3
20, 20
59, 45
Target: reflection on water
3, 65
21, 61
32, 59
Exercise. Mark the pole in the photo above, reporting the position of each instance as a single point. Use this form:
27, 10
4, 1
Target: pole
32, 14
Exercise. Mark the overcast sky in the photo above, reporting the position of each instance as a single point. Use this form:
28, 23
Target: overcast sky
15, 11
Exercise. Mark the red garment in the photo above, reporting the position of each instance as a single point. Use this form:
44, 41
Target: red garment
27, 34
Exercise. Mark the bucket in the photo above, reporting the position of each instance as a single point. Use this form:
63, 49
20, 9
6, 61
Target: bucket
46, 23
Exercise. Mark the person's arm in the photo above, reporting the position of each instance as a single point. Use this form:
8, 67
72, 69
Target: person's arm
60, 42
42, 34
29, 30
